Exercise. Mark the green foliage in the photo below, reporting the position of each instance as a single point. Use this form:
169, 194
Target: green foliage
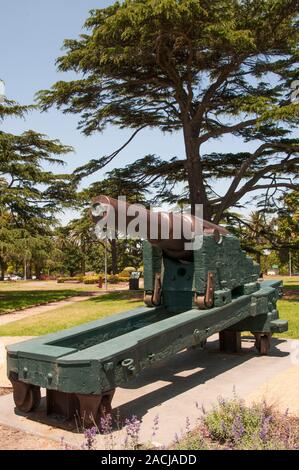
26, 190
231, 421
288, 229
29, 195
113, 278
271, 236
129, 269
92, 279
122, 278
125, 274
234, 425
63, 279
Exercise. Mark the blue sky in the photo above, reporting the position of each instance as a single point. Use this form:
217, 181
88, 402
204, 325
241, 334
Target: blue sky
31, 36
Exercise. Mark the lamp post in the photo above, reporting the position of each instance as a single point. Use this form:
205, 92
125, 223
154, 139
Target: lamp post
105, 262
101, 233
290, 263
2, 91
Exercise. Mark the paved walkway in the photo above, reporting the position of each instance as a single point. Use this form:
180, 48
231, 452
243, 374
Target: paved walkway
282, 390
176, 388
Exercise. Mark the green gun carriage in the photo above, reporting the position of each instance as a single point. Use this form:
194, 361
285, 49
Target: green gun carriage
189, 296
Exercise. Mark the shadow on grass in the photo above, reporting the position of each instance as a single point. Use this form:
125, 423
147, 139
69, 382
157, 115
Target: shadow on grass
120, 295
16, 300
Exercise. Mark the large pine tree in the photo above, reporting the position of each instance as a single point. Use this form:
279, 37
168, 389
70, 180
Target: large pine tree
29, 195
205, 68
28, 191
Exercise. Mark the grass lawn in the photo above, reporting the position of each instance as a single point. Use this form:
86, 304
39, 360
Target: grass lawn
108, 304
22, 294
75, 314
288, 306
21, 286
11, 300
289, 310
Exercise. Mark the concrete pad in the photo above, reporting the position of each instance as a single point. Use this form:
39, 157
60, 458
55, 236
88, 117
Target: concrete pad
282, 391
174, 389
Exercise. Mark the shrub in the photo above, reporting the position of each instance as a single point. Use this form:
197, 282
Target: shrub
125, 274
230, 425
236, 425
129, 269
122, 278
69, 279
94, 279
113, 278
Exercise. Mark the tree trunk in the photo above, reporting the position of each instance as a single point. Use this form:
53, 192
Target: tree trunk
38, 270
114, 256
83, 260
3, 267
29, 270
258, 257
83, 265
197, 188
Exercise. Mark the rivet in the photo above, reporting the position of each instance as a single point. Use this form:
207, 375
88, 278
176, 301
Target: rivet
108, 366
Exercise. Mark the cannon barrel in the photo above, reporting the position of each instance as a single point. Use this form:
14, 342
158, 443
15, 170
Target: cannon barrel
169, 231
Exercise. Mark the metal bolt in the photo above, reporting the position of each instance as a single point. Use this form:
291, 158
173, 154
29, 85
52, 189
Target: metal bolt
108, 366
50, 378
25, 372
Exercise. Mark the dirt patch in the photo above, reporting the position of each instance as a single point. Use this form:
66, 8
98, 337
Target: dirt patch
290, 294
5, 391
12, 439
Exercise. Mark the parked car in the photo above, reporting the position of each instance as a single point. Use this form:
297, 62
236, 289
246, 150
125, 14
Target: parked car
14, 277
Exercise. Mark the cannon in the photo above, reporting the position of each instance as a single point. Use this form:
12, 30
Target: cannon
189, 295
